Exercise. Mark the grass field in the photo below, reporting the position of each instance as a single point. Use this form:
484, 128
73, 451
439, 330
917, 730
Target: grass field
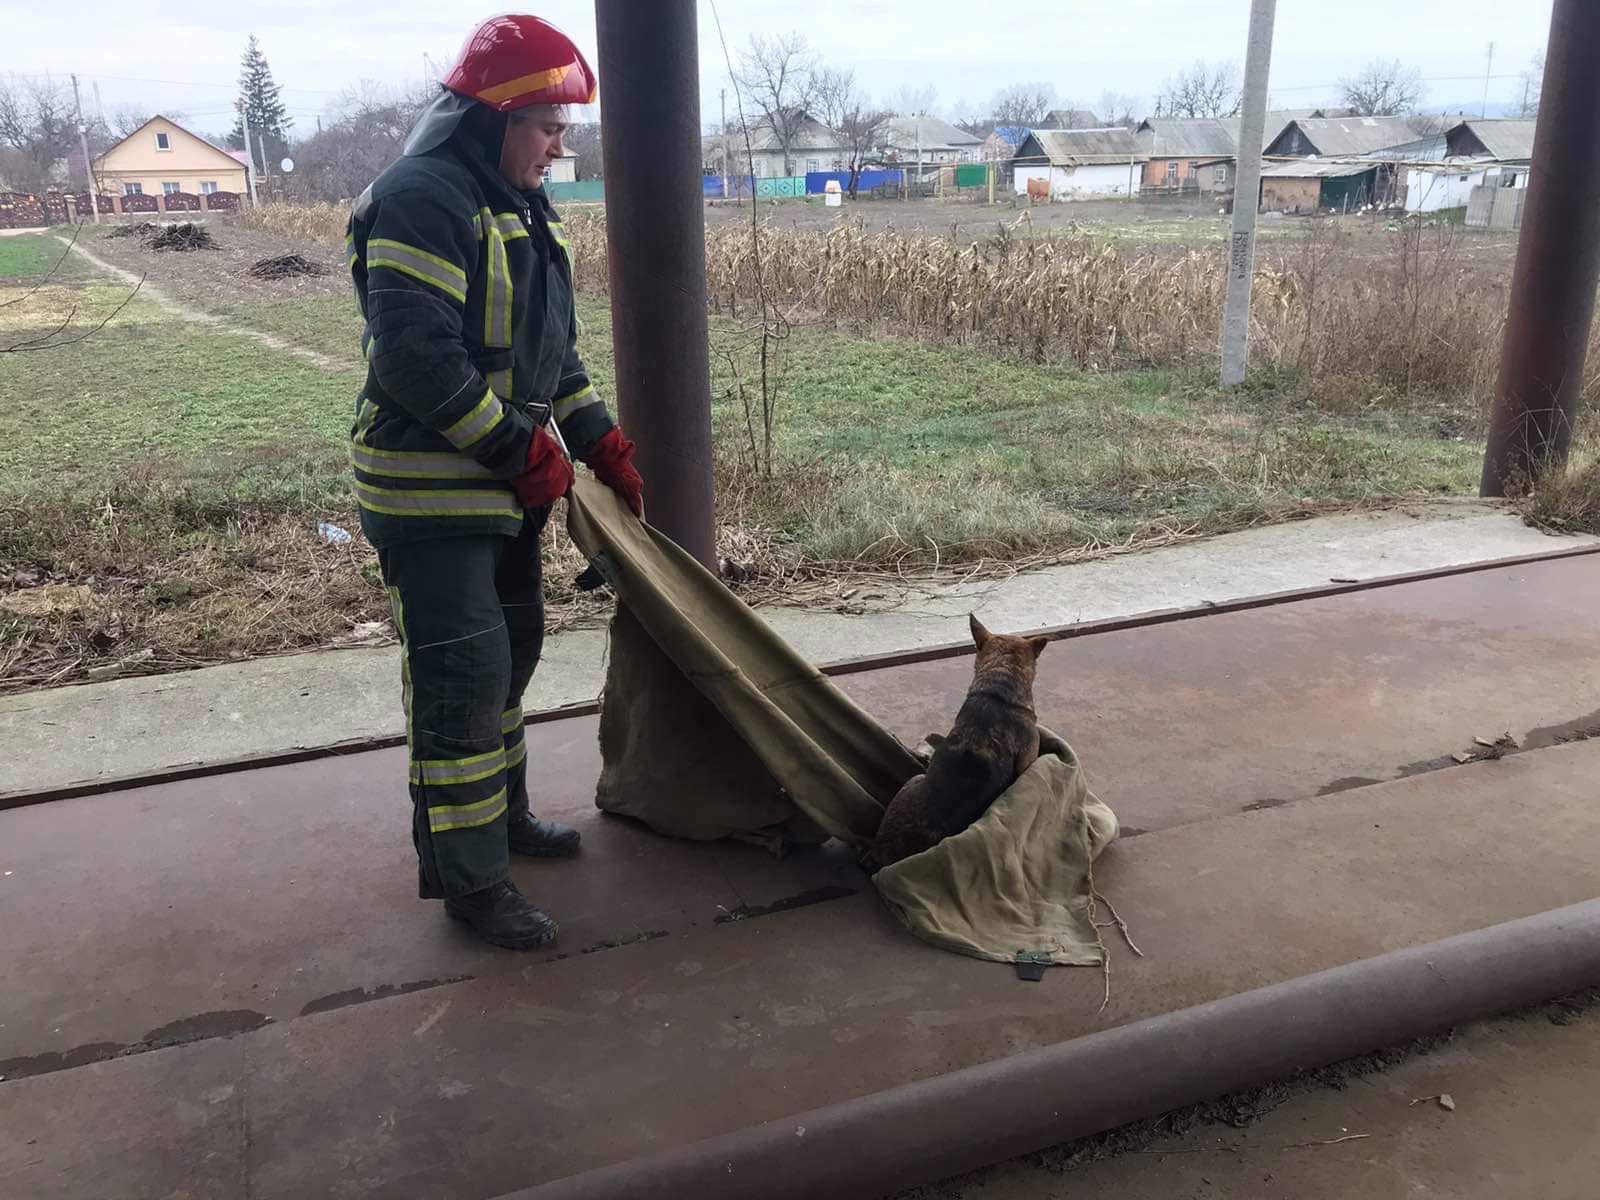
179, 473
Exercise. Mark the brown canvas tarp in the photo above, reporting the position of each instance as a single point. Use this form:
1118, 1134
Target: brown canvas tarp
712, 726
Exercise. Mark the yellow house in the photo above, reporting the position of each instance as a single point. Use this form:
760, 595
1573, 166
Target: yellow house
162, 157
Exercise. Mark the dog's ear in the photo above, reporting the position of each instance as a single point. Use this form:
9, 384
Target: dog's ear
980, 635
1037, 645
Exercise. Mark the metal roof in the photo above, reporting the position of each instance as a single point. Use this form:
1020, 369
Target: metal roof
1083, 147
1277, 121
1307, 168
1508, 139
812, 135
1073, 118
1334, 136
1202, 137
902, 133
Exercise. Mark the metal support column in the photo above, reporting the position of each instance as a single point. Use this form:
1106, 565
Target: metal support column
655, 233
1558, 264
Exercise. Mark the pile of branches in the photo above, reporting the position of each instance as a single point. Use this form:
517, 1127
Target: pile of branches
286, 266
187, 236
140, 230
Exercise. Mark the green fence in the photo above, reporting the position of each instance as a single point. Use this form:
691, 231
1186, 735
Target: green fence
781, 188
972, 175
589, 191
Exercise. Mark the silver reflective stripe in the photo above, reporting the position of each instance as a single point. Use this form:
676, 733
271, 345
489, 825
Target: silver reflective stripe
567, 405
516, 756
450, 772
511, 720
420, 502
475, 426
558, 230
418, 264
510, 226
444, 817
417, 464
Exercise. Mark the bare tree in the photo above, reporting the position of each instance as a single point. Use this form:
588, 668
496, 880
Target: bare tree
777, 77
1382, 89
861, 126
840, 105
1118, 109
36, 129
582, 141
1532, 85
968, 117
834, 91
1024, 104
1201, 91
916, 102
353, 148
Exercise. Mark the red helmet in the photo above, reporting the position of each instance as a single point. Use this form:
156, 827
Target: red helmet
516, 60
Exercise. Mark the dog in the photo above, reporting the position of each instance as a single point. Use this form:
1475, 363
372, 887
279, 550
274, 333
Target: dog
994, 740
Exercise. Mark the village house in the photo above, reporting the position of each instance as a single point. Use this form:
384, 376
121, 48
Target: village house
1314, 185
1061, 164
909, 140
163, 159
1341, 137
1072, 118
814, 147
1201, 153
1001, 143
1479, 153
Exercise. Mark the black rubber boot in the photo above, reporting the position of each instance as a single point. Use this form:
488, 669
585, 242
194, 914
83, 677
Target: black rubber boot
541, 839
503, 916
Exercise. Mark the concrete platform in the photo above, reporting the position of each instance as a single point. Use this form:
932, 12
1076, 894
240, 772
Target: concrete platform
112, 730
326, 1034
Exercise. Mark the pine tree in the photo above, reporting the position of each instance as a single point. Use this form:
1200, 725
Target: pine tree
258, 98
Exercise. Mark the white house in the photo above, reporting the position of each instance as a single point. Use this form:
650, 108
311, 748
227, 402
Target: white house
1432, 187
563, 169
927, 140
814, 147
1068, 163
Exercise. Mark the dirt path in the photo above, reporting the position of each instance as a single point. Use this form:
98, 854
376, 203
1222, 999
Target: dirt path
221, 324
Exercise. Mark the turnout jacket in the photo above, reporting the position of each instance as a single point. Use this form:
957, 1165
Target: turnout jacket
466, 288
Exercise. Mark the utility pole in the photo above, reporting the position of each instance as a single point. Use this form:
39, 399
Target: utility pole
1488, 67
250, 157
1540, 386
1247, 194
83, 144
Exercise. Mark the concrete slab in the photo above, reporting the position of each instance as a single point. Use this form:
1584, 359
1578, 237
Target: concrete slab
1526, 1122
76, 735
266, 893
478, 1087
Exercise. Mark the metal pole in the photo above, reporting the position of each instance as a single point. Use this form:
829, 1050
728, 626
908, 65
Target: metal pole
83, 143
1246, 194
250, 169
655, 234
1558, 264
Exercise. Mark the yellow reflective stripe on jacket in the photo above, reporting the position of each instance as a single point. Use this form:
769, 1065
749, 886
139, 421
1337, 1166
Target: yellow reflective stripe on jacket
444, 817
511, 720
510, 226
477, 424
416, 464
565, 406
498, 290
418, 264
422, 502
449, 772
350, 250
516, 756
558, 230
500, 383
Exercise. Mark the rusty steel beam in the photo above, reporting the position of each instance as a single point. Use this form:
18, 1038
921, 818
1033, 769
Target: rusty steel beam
946, 1124
1558, 264
655, 234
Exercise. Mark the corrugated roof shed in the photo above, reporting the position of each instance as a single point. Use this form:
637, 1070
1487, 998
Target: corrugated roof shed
1509, 139
1335, 136
1277, 121
1083, 147
1306, 168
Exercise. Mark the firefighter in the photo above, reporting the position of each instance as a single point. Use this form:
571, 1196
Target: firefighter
464, 277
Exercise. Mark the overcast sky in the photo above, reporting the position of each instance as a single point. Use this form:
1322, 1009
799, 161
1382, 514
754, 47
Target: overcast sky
186, 56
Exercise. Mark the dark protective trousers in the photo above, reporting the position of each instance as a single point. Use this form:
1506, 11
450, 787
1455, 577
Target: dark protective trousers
470, 614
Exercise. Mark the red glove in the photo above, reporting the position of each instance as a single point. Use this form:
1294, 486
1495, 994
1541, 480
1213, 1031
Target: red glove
611, 460
548, 475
